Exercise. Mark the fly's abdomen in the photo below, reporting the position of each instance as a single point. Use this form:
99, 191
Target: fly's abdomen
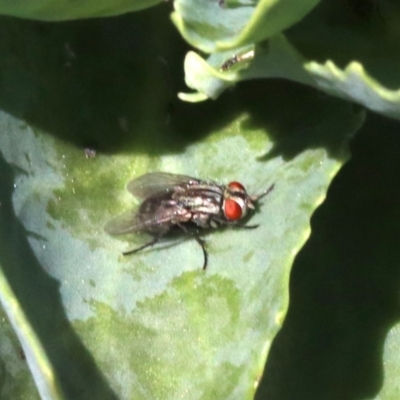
157, 216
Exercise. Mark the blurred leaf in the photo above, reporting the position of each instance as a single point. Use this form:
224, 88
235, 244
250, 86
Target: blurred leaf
59, 10
226, 24
341, 55
153, 325
13, 365
29, 350
276, 59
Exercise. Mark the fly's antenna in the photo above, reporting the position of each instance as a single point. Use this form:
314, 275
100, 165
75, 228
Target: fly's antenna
265, 193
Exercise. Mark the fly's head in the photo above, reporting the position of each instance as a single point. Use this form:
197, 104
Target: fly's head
237, 201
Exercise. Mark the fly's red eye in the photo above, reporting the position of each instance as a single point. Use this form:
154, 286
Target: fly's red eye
232, 210
236, 185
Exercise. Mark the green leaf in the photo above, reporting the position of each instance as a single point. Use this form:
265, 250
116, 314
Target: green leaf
221, 25
13, 362
59, 10
30, 350
280, 60
331, 57
277, 59
153, 325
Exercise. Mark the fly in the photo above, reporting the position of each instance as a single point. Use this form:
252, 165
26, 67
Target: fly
179, 203
236, 58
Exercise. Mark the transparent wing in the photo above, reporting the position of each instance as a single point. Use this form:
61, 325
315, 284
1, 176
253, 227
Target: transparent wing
156, 182
157, 222
124, 223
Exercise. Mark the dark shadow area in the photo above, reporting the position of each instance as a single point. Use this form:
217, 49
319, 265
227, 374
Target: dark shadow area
281, 109
107, 84
111, 85
306, 118
39, 297
88, 82
345, 282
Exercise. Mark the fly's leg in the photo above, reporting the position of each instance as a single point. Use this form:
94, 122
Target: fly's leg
201, 242
245, 226
148, 244
266, 193
235, 225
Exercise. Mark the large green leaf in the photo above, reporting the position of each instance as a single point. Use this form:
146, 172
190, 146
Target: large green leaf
153, 325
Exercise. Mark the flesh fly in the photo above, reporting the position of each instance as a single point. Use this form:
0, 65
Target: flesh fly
179, 203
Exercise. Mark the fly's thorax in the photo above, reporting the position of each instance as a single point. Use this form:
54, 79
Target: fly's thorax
201, 199
236, 202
